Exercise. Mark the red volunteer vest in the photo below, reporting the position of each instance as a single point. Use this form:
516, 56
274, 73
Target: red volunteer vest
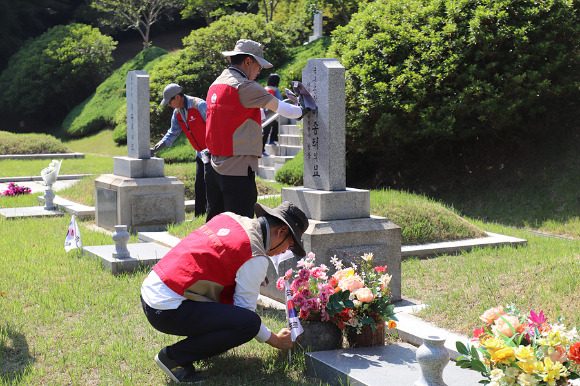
194, 129
213, 253
271, 91
225, 114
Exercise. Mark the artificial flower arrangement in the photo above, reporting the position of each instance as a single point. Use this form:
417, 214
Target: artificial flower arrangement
353, 297
15, 190
522, 349
361, 295
310, 288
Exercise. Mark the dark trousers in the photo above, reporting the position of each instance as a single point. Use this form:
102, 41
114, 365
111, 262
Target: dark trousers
210, 328
270, 130
200, 196
237, 194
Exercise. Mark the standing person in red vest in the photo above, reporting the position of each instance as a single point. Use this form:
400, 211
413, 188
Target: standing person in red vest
206, 288
188, 117
234, 130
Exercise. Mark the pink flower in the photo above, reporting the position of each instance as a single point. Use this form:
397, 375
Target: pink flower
339, 275
304, 274
310, 304
324, 315
299, 300
502, 325
280, 283
311, 255
306, 293
365, 295
492, 314
304, 314
297, 284
537, 319
381, 269
318, 273
559, 355
351, 283
288, 274
324, 297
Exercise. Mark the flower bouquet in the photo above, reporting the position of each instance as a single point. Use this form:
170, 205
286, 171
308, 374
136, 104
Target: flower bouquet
15, 190
310, 288
361, 296
522, 349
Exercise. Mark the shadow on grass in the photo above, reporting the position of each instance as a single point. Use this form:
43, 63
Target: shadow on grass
15, 358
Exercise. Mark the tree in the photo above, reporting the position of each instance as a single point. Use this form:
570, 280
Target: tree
210, 10
134, 14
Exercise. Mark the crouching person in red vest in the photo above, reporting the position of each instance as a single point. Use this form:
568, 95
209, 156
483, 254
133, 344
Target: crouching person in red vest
206, 288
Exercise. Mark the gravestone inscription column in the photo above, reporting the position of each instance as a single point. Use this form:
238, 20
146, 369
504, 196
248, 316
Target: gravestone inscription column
138, 194
339, 217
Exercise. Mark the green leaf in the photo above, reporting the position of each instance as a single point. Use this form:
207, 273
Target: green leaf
461, 348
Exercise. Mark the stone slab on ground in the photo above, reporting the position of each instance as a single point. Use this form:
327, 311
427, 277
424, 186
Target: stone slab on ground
42, 156
38, 186
142, 254
394, 364
30, 211
433, 249
79, 210
162, 238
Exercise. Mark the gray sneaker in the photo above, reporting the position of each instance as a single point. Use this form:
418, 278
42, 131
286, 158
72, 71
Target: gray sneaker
175, 371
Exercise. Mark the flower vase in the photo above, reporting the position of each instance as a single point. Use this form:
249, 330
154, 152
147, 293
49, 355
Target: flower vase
367, 336
49, 199
432, 357
121, 237
319, 335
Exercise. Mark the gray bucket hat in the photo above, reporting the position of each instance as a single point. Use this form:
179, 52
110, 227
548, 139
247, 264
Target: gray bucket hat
171, 90
250, 47
293, 217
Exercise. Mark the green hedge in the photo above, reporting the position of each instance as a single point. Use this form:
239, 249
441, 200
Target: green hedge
99, 110
292, 173
11, 143
53, 73
423, 72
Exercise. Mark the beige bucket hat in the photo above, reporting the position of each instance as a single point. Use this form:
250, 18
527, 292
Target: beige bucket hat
249, 47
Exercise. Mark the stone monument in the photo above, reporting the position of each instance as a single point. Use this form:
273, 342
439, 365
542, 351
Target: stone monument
340, 220
138, 194
317, 28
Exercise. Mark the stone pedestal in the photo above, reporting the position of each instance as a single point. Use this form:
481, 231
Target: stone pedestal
144, 204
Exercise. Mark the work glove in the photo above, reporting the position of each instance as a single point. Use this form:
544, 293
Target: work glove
158, 146
305, 109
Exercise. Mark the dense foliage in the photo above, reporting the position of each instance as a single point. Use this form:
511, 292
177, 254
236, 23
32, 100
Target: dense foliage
99, 110
419, 72
11, 143
53, 73
292, 173
199, 63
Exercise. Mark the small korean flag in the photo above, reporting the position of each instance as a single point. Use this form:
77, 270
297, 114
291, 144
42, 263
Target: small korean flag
73, 236
293, 321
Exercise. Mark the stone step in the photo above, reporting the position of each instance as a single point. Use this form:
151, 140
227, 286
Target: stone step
289, 150
289, 129
289, 140
266, 173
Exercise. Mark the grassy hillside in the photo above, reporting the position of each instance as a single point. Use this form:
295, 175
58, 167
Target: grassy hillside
98, 111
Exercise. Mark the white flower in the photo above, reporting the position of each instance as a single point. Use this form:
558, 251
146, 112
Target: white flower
525, 379
354, 266
510, 374
496, 375
367, 257
336, 262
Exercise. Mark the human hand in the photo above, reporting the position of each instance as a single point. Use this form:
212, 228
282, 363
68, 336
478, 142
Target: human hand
282, 340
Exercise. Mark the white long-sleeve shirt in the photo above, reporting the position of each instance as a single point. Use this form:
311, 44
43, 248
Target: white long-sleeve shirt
248, 279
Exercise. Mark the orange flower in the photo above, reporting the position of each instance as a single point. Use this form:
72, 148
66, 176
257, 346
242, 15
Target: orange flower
392, 324
492, 314
574, 353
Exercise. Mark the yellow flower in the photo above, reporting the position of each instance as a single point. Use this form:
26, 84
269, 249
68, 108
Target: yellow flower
526, 359
503, 355
550, 371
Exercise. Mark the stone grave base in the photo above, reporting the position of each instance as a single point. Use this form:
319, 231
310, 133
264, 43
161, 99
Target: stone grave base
31, 211
143, 204
347, 239
394, 364
142, 255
